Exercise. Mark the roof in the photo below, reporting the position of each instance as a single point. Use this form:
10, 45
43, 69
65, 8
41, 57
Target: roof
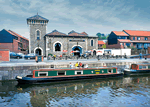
84, 33
137, 32
119, 33
15, 34
124, 40
101, 42
37, 17
73, 33
55, 32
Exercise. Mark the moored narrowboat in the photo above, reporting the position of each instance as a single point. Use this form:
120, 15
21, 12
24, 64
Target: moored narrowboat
53, 75
138, 69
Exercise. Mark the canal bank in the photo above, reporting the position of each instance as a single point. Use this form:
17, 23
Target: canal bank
8, 71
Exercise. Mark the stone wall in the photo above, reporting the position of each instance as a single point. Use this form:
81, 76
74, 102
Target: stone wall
9, 73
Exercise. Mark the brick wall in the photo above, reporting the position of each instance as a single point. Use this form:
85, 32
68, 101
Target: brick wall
141, 38
6, 46
4, 55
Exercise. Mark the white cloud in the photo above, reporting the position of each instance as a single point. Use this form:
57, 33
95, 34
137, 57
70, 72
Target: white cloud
91, 17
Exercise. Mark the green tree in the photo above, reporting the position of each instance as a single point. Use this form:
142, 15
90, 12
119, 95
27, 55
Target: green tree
99, 36
104, 46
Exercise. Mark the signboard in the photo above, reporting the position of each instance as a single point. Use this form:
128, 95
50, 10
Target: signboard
77, 40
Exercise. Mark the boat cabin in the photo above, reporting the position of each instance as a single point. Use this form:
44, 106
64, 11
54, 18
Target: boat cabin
142, 66
73, 72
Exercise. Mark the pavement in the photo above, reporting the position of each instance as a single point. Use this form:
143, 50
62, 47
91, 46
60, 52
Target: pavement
23, 62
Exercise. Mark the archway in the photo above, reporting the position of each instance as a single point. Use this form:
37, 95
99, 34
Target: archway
38, 51
57, 47
94, 52
77, 50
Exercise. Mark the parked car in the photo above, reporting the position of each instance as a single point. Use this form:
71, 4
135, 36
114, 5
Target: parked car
30, 56
15, 55
21, 54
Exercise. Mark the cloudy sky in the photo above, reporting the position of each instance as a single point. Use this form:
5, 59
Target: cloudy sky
91, 16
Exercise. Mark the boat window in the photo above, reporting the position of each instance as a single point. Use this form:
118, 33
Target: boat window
145, 67
110, 70
140, 67
78, 72
42, 74
61, 73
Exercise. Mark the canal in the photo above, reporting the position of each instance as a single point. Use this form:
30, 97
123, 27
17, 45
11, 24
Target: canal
124, 92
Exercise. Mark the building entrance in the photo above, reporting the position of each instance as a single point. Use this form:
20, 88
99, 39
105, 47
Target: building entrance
38, 51
77, 51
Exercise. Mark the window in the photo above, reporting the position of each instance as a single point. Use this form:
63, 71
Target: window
133, 38
38, 35
110, 70
128, 44
57, 47
145, 45
138, 38
40, 74
145, 67
61, 73
91, 42
78, 72
146, 38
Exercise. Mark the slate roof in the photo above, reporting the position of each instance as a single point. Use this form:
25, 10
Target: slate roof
120, 33
73, 33
137, 32
55, 32
124, 40
101, 42
15, 34
84, 33
37, 17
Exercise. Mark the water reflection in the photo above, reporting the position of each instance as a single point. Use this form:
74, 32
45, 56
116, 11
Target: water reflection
127, 91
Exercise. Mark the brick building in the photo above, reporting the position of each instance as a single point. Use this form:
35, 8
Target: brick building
100, 44
129, 38
13, 41
56, 42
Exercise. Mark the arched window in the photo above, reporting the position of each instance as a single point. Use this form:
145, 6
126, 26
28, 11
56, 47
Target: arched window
57, 47
38, 35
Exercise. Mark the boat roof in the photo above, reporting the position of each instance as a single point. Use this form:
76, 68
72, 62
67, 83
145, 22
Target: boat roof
40, 69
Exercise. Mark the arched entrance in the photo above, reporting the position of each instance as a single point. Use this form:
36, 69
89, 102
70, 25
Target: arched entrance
38, 51
78, 50
94, 52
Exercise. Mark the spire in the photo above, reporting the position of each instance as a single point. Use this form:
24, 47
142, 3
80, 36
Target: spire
37, 13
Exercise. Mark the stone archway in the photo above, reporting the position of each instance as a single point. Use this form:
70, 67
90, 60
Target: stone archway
38, 51
94, 52
78, 50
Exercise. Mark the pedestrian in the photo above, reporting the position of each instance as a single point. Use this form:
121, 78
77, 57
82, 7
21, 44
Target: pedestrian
80, 64
86, 65
71, 66
76, 65
140, 55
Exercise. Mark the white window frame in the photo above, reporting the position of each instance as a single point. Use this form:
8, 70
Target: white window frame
60, 71
111, 70
90, 42
138, 38
78, 71
42, 73
60, 48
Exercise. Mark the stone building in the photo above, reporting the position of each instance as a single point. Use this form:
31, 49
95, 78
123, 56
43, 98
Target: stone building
55, 42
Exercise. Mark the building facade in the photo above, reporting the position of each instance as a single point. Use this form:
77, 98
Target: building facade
56, 42
129, 38
13, 41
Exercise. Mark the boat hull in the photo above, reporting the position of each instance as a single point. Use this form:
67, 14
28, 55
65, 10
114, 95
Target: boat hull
30, 80
136, 72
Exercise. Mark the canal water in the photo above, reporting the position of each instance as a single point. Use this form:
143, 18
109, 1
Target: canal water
123, 92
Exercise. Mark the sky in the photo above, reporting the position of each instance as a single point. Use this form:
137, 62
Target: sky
90, 16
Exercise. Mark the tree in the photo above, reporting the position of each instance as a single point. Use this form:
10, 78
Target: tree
104, 46
99, 36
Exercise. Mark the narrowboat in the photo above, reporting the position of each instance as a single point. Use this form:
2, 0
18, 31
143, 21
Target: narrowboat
64, 74
138, 69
